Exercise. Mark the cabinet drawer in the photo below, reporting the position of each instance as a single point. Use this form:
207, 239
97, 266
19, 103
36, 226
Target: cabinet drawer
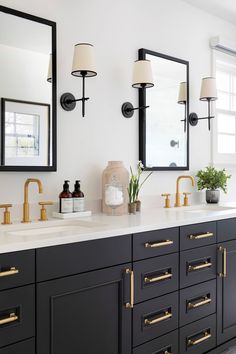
198, 337
198, 235
226, 230
60, 261
16, 269
155, 243
197, 265
197, 302
26, 347
156, 276
163, 345
17, 314
154, 318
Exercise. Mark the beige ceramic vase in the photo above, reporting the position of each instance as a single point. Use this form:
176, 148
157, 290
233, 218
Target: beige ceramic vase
115, 174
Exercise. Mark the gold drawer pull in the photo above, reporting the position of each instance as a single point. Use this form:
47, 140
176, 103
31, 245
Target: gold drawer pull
12, 318
192, 342
158, 319
198, 237
130, 305
164, 276
203, 302
158, 244
223, 274
199, 266
11, 271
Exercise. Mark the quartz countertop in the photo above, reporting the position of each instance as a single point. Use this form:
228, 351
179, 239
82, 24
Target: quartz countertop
18, 236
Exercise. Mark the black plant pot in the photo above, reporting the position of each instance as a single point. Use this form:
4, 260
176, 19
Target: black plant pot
212, 196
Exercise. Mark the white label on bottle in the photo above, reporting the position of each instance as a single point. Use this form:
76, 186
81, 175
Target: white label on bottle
66, 205
78, 204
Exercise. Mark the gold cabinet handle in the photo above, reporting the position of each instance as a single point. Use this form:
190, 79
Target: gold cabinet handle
11, 271
158, 319
223, 274
130, 305
158, 244
192, 342
206, 264
164, 276
198, 237
12, 318
203, 302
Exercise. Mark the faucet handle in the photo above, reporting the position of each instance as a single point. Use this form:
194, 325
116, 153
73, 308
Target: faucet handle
43, 211
6, 214
167, 200
186, 201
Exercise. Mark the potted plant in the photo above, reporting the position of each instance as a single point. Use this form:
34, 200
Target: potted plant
135, 184
212, 180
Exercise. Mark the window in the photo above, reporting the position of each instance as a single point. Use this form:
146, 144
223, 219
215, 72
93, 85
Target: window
21, 135
224, 130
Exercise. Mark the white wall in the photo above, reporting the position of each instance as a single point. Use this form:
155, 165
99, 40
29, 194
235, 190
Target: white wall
118, 29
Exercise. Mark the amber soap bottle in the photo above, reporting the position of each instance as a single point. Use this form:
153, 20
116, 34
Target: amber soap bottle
65, 199
78, 198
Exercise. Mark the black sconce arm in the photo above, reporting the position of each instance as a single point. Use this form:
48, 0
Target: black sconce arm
193, 117
128, 109
68, 101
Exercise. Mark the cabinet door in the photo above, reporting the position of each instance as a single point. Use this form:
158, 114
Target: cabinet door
85, 313
226, 290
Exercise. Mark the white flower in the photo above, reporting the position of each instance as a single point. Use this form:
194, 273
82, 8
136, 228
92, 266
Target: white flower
140, 164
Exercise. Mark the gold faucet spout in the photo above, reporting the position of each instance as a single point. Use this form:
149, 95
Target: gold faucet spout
26, 197
177, 198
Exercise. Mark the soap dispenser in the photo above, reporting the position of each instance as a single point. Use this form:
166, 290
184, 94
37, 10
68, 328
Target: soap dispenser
66, 200
78, 198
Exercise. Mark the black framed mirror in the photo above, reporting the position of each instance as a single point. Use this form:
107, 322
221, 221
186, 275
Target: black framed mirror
28, 122
163, 127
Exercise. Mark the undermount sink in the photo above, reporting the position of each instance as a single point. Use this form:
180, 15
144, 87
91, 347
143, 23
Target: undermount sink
67, 227
209, 209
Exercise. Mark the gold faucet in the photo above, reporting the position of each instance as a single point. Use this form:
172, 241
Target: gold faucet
26, 197
177, 196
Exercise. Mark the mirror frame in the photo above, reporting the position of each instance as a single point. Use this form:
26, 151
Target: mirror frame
52, 24
143, 114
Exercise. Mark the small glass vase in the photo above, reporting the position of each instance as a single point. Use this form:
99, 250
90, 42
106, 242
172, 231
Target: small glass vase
138, 205
132, 208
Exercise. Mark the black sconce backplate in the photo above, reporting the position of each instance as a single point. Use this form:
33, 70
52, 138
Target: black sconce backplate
127, 110
67, 101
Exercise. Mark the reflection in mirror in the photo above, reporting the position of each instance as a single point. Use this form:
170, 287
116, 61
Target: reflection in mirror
163, 126
27, 91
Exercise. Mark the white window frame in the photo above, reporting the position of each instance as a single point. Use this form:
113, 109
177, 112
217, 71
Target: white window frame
220, 159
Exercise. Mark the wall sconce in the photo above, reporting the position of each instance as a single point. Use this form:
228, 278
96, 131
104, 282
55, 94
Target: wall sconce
83, 66
142, 79
182, 99
49, 77
208, 94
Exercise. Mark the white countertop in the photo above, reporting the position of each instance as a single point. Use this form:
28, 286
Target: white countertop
19, 236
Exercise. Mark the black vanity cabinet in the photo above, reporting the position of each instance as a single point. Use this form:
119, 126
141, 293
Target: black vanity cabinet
88, 312
170, 291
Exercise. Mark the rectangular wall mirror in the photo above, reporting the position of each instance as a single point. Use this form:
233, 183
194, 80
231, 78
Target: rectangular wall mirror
27, 92
163, 127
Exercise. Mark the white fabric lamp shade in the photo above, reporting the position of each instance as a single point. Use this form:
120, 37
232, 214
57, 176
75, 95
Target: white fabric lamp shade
142, 74
49, 78
208, 89
84, 60
182, 99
